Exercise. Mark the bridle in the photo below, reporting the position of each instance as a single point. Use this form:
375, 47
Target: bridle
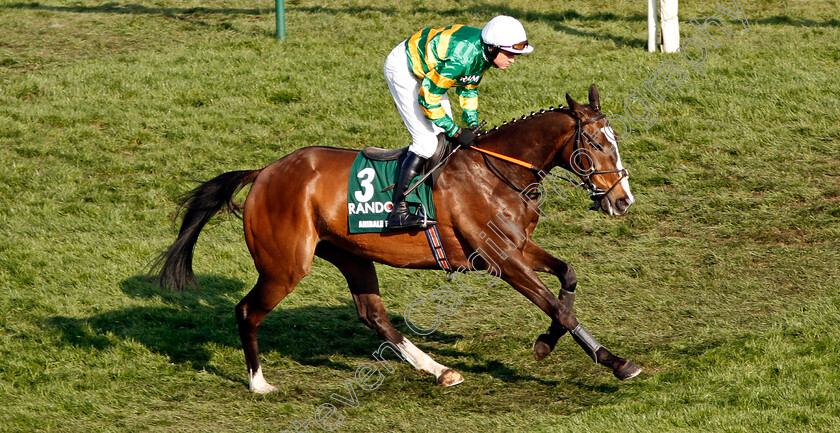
586, 183
594, 191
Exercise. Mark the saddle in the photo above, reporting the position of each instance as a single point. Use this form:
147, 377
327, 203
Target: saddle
444, 147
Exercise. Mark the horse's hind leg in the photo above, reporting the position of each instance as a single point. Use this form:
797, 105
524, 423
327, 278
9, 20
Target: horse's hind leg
361, 278
250, 312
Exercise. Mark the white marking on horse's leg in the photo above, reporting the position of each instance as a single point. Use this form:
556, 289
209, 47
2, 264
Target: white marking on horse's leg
419, 359
258, 384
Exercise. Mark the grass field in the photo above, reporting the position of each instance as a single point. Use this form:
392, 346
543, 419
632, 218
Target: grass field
721, 282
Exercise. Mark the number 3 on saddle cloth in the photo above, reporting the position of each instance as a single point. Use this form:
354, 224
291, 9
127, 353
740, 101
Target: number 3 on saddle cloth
370, 193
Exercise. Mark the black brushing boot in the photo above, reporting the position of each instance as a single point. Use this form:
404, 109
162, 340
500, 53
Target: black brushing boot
400, 217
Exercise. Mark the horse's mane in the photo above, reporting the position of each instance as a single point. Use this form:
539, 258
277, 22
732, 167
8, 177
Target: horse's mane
515, 121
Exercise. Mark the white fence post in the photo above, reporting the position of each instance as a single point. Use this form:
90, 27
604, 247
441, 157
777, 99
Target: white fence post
670, 25
651, 9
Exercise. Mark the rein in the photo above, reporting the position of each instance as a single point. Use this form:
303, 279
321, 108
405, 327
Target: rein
594, 191
532, 195
511, 160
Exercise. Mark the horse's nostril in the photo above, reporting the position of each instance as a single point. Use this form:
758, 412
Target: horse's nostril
622, 204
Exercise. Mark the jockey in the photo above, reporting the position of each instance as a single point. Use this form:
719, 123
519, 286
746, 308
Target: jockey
421, 69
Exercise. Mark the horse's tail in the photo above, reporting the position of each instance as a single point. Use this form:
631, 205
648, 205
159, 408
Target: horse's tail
201, 204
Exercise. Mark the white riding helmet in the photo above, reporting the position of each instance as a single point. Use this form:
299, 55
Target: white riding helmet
506, 33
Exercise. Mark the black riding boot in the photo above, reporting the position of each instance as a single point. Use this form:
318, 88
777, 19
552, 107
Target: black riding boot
400, 218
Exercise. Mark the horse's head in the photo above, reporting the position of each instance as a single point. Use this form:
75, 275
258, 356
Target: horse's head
594, 157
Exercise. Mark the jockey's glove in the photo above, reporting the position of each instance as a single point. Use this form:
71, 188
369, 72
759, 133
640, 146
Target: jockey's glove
464, 137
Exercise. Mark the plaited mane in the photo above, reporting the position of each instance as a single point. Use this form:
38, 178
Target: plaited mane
515, 120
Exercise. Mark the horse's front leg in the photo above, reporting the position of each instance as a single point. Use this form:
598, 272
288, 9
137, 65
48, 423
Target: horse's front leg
517, 272
541, 260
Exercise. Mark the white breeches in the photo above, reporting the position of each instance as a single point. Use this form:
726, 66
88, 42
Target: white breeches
405, 89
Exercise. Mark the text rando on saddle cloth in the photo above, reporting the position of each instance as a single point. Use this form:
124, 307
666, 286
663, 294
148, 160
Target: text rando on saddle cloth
368, 206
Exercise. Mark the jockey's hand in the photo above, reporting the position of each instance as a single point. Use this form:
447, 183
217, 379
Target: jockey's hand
464, 137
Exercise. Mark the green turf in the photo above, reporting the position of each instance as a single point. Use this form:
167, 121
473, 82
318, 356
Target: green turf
721, 282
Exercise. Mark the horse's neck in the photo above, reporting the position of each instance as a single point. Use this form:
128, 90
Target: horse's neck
533, 140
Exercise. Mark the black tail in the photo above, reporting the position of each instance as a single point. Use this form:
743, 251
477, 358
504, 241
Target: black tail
201, 204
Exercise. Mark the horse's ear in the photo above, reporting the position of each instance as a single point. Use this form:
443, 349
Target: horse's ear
576, 108
594, 98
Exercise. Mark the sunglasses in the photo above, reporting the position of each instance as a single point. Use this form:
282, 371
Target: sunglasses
520, 46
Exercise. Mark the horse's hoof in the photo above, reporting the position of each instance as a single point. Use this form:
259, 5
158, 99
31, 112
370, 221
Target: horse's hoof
541, 350
545, 343
263, 388
627, 371
449, 377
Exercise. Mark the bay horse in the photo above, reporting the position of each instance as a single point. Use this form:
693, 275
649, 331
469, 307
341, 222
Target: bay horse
297, 209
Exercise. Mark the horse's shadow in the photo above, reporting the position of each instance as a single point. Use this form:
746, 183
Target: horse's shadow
184, 327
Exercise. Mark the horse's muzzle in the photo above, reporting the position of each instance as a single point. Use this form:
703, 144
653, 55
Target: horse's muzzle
618, 206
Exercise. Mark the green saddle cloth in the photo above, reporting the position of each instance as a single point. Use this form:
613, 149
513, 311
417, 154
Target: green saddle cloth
368, 206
